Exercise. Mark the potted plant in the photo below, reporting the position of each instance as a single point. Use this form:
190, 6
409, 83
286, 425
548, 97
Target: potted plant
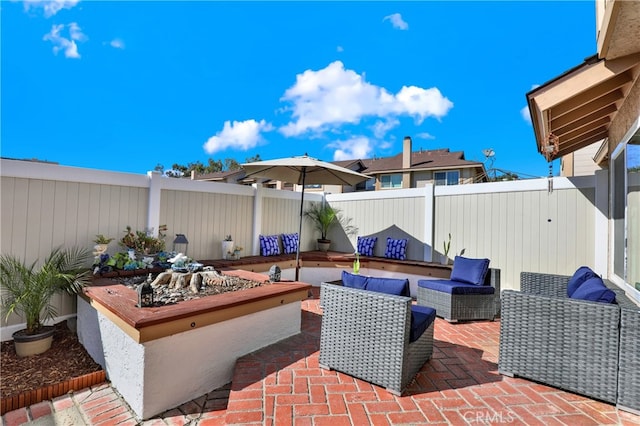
143, 242
227, 247
324, 217
28, 291
102, 243
447, 246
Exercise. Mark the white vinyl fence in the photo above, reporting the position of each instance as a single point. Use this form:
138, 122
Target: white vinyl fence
520, 226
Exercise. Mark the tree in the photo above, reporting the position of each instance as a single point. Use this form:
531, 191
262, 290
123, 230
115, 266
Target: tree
212, 166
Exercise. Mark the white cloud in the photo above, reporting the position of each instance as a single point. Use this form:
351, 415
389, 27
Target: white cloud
333, 96
422, 103
239, 134
339, 49
117, 43
425, 135
354, 148
67, 45
397, 21
49, 7
381, 127
524, 112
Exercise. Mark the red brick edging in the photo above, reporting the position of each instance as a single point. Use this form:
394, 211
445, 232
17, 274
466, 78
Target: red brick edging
52, 391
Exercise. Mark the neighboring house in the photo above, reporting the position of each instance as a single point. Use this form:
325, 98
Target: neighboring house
598, 102
413, 169
409, 169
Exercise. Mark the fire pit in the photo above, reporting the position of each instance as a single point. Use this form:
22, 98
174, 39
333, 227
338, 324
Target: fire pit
177, 346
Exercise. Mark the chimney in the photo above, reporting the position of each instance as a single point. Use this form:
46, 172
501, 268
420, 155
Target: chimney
406, 152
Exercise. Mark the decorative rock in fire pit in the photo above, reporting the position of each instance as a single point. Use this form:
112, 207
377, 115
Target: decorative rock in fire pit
171, 287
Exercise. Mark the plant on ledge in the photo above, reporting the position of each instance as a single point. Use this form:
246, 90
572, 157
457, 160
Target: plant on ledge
324, 217
143, 241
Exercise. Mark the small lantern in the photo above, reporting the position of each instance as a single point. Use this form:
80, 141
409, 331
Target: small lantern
180, 243
145, 294
274, 273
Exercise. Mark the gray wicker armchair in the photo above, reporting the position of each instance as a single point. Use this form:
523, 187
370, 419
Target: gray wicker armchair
571, 344
366, 334
463, 307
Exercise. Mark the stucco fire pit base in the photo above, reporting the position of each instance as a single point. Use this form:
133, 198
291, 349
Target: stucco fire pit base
158, 358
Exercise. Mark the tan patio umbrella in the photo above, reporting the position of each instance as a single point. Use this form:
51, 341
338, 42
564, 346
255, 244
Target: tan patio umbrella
303, 170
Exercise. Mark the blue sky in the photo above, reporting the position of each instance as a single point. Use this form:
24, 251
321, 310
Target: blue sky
124, 86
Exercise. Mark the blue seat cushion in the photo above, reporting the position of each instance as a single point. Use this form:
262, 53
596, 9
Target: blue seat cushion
467, 270
421, 319
354, 280
594, 290
455, 287
581, 275
399, 287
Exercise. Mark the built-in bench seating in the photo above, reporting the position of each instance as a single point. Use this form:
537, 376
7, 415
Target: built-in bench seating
333, 259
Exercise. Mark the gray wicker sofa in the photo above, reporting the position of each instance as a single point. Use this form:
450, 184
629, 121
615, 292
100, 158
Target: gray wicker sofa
586, 347
367, 334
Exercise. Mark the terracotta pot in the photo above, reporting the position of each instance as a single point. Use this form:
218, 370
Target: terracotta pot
33, 344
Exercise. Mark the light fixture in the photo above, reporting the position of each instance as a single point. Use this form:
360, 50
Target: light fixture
180, 244
145, 294
274, 273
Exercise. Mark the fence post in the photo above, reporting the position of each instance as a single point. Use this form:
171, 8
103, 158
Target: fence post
257, 218
153, 210
429, 223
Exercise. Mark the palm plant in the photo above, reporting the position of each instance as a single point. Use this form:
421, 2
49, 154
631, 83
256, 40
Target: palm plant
27, 290
324, 217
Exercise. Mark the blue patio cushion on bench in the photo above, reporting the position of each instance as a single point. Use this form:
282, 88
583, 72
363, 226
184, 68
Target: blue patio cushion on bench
594, 290
421, 319
467, 270
455, 287
396, 286
581, 275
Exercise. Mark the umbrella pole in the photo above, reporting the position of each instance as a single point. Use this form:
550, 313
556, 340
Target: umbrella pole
304, 174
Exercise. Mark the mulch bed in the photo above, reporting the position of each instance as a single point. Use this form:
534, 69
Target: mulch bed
67, 359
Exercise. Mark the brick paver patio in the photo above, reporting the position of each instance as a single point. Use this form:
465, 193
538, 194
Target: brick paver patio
283, 385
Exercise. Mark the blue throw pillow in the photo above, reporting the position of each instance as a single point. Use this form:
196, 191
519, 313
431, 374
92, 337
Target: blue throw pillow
290, 243
354, 280
396, 249
579, 277
472, 271
269, 245
365, 245
594, 290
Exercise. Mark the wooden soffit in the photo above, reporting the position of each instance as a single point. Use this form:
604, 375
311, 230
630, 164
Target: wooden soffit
576, 109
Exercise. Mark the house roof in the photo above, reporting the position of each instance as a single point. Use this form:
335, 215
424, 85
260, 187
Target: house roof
420, 160
576, 108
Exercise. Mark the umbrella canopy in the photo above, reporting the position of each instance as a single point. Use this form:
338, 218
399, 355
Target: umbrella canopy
303, 170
